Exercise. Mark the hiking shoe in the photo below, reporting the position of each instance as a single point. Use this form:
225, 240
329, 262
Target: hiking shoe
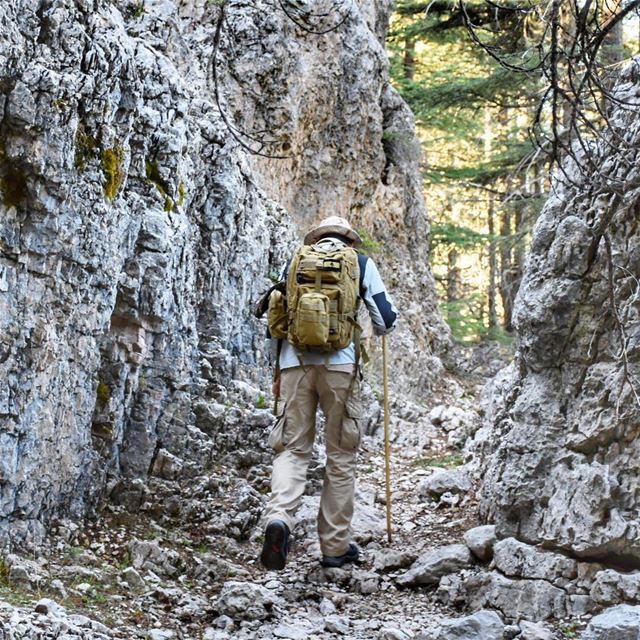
351, 555
276, 545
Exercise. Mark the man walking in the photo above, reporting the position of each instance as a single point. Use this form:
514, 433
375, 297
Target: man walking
324, 316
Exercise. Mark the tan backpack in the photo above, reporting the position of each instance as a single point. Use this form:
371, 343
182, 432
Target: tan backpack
319, 311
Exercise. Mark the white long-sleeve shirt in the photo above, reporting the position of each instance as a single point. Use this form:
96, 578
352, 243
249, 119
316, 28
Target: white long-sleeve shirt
381, 310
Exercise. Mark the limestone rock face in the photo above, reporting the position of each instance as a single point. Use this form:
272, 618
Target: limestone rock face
561, 446
136, 230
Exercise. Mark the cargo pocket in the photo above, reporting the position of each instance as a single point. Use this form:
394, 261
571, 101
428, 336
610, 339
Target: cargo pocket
351, 432
276, 435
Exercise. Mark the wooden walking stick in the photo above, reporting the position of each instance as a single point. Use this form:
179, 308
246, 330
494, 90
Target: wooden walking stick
387, 451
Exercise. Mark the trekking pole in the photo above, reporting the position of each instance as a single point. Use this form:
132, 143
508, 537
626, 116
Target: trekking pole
387, 451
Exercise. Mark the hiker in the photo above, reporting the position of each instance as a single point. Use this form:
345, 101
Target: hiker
318, 361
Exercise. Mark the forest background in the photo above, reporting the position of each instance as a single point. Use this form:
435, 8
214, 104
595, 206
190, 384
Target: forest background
502, 94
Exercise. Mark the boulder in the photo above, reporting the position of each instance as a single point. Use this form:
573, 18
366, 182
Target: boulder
612, 587
245, 601
481, 540
520, 560
618, 623
534, 600
455, 481
431, 566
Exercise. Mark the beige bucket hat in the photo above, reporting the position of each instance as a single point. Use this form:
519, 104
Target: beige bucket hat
333, 224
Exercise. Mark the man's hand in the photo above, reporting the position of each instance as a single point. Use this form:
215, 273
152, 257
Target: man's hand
275, 387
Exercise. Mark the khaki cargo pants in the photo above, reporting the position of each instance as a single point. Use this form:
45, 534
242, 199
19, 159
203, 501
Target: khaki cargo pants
292, 437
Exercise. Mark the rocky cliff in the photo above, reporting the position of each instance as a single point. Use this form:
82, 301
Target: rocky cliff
560, 444
136, 227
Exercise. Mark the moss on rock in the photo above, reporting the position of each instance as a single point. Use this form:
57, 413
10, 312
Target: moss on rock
113, 169
86, 147
103, 395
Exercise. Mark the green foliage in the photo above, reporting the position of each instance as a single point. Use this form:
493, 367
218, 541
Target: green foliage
261, 402
472, 117
483, 173
465, 318
462, 237
464, 92
113, 169
369, 245
444, 461
5, 572
570, 629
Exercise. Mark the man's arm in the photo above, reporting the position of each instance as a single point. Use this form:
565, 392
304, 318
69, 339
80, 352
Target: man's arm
381, 309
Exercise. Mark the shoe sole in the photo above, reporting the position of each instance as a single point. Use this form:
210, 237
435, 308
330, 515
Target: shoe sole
274, 555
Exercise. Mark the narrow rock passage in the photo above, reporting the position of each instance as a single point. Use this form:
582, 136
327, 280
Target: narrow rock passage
177, 557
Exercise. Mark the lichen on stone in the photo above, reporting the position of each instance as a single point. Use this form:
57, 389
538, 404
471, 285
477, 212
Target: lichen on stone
103, 395
113, 169
86, 147
154, 177
182, 194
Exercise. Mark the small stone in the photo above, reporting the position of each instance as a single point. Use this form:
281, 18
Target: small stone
430, 567
167, 465
148, 555
133, 578
58, 587
390, 560
290, 632
511, 631
521, 560
245, 601
391, 633
46, 606
336, 624
366, 582
484, 624
83, 587
448, 499
224, 622
327, 607
534, 631
610, 587
481, 540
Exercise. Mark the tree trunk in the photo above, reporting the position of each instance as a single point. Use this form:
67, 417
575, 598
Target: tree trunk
493, 267
453, 282
506, 269
409, 60
493, 260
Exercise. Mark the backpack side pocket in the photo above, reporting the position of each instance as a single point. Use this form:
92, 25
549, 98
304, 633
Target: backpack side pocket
277, 320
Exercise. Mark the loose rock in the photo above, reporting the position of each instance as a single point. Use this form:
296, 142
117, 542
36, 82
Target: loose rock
430, 567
